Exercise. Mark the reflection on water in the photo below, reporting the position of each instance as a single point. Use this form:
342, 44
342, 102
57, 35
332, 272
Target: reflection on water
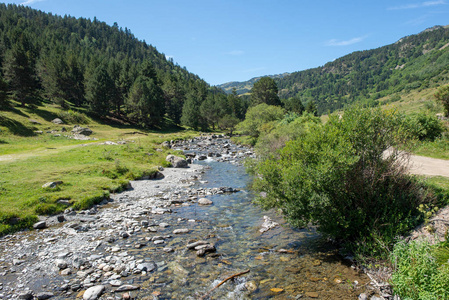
308, 267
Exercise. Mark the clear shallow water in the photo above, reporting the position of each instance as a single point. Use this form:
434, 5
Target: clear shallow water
232, 223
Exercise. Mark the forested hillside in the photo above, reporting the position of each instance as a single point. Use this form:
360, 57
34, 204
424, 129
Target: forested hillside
245, 86
106, 70
415, 62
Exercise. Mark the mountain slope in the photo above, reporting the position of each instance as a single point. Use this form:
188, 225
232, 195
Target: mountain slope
78, 62
245, 86
414, 62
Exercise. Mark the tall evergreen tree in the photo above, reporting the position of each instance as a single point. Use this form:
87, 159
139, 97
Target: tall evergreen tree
74, 85
3, 93
294, 104
236, 105
265, 91
145, 103
191, 115
19, 70
99, 91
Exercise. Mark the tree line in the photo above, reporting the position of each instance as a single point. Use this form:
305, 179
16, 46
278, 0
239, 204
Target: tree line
87, 64
414, 62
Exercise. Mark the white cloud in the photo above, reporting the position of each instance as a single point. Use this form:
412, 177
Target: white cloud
29, 2
335, 42
419, 5
418, 21
236, 52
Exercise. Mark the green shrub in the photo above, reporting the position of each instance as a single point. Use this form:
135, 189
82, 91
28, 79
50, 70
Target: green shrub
257, 117
72, 117
337, 176
291, 127
424, 126
417, 272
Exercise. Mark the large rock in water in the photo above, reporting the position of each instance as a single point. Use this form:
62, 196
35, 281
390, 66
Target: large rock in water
204, 201
176, 161
81, 130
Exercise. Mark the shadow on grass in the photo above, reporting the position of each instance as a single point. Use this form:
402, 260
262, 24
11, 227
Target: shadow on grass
16, 111
44, 114
3, 142
16, 127
121, 122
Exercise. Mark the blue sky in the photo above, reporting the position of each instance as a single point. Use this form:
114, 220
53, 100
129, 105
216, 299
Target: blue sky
230, 40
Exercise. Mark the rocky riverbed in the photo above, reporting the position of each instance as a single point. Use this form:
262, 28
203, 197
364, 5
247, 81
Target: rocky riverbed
176, 237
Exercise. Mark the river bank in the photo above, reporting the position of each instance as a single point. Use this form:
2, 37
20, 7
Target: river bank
137, 244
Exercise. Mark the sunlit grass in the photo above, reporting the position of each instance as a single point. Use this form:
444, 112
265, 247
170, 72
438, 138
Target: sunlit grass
89, 170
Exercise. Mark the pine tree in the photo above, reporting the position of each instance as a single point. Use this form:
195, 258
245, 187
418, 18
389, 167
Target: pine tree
145, 103
99, 87
19, 70
265, 91
191, 115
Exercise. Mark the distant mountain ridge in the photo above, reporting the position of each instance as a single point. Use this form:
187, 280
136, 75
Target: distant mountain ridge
245, 86
412, 63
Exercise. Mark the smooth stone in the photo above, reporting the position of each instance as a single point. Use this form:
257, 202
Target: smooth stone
94, 292
26, 295
147, 267
195, 244
127, 287
44, 295
52, 184
116, 283
61, 264
40, 225
204, 201
66, 272
182, 230
57, 121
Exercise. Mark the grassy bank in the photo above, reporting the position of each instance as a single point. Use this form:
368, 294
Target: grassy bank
89, 170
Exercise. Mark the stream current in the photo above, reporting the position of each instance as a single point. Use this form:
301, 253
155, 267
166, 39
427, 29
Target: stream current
283, 262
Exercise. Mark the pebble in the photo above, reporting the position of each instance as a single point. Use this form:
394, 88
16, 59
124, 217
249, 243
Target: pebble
180, 231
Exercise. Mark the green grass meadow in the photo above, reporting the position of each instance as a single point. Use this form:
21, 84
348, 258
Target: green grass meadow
89, 170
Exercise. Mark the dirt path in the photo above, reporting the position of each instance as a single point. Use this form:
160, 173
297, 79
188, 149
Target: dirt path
39, 152
421, 165
435, 229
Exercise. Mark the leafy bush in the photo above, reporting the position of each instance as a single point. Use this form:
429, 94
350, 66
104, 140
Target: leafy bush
292, 126
338, 177
258, 117
418, 274
73, 117
424, 126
